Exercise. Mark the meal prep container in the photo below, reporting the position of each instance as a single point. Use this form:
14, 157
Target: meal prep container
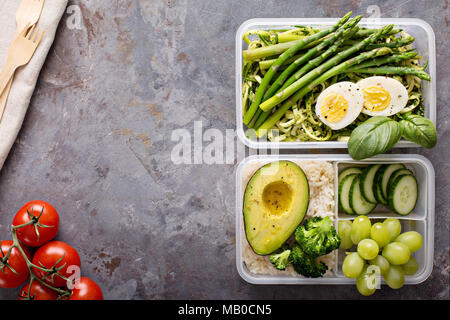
420, 220
424, 43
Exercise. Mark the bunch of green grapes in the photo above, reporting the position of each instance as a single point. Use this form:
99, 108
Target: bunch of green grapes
382, 245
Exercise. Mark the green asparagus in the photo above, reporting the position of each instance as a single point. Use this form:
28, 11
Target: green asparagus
385, 60
268, 51
309, 55
396, 71
317, 61
286, 93
363, 33
266, 64
309, 66
281, 59
263, 129
394, 44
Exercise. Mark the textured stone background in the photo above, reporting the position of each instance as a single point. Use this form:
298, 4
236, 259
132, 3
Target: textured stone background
96, 144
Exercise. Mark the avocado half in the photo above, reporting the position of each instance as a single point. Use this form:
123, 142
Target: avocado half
275, 203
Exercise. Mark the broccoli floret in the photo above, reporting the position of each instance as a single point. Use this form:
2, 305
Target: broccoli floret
305, 264
280, 260
317, 236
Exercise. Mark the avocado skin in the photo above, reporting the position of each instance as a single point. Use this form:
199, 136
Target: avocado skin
265, 231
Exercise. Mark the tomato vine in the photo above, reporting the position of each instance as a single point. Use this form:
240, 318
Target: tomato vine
62, 293
53, 272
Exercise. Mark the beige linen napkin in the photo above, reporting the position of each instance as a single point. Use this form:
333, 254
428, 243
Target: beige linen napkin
26, 77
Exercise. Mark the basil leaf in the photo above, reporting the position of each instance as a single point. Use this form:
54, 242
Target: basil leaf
419, 130
374, 136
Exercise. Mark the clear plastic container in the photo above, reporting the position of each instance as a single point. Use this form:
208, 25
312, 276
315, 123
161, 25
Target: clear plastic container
421, 219
424, 43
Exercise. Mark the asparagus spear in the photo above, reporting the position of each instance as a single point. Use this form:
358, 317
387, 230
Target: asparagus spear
288, 37
310, 54
324, 77
268, 51
297, 85
295, 34
266, 64
281, 59
317, 61
286, 42
394, 44
385, 60
260, 117
363, 33
395, 70
309, 66
277, 49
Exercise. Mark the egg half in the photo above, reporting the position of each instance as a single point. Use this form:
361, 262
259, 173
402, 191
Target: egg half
339, 104
383, 96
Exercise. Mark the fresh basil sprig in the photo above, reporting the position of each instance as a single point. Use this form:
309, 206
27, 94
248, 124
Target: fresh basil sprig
374, 136
380, 134
419, 130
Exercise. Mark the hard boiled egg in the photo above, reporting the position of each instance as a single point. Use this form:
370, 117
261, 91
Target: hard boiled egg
339, 104
383, 96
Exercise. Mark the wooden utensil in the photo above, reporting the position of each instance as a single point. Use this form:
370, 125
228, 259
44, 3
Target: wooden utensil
20, 53
28, 13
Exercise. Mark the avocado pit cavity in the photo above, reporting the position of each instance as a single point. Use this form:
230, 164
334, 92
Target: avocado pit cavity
277, 197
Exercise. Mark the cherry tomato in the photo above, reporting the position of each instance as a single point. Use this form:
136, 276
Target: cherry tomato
32, 211
86, 289
56, 254
37, 292
9, 279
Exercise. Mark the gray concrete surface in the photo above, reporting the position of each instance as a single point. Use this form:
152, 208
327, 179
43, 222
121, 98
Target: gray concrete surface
96, 144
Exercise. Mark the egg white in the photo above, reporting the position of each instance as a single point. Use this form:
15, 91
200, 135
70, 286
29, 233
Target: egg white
397, 91
354, 96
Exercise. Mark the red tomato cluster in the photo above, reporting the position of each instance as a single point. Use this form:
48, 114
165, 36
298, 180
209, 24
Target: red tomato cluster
57, 257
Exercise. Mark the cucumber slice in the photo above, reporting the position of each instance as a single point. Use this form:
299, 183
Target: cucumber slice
358, 204
389, 170
381, 180
394, 175
404, 194
379, 195
344, 193
377, 185
367, 181
347, 171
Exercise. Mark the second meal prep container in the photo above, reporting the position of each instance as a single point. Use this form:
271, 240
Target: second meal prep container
424, 43
421, 219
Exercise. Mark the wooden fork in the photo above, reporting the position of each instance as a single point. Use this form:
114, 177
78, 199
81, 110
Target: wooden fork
28, 13
20, 53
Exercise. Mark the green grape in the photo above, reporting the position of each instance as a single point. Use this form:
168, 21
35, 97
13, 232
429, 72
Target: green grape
380, 233
367, 282
396, 253
395, 277
360, 229
411, 266
393, 226
344, 230
382, 263
353, 265
368, 249
412, 239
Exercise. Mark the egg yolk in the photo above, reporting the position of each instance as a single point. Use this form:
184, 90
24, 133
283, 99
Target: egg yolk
376, 98
333, 107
